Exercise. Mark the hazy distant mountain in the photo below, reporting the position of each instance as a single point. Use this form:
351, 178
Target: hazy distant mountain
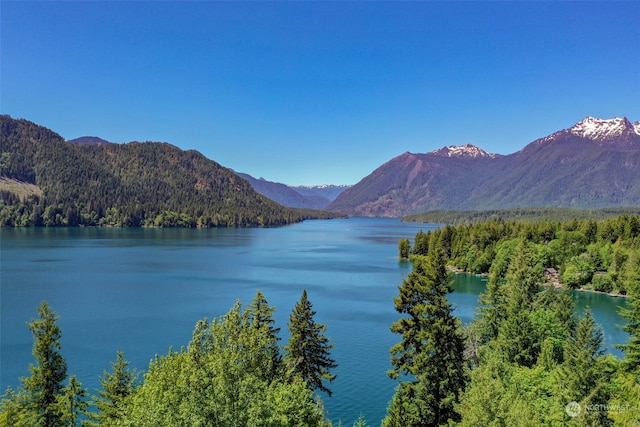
88, 140
328, 192
311, 197
595, 163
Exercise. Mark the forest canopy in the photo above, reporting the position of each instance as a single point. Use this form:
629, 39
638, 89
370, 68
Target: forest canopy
579, 253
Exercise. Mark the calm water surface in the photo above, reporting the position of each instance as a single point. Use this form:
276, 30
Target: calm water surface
143, 290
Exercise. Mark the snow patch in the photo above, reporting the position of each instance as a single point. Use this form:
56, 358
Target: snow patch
601, 129
466, 150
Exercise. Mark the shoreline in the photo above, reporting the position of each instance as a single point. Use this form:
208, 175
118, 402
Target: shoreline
557, 285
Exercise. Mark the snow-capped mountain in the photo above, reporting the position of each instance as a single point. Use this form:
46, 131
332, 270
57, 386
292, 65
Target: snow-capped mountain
594, 163
466, 150
601, 130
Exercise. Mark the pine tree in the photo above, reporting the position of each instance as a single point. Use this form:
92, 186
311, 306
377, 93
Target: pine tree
47, 375
260, 318
581, 377
580, 353
632, 314
11, 409
404, 248
116, 386
308, 353
431, 352
489, 313
71, 403
516, 334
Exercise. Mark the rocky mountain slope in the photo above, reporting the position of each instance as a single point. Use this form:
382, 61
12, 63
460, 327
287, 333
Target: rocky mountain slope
595, 163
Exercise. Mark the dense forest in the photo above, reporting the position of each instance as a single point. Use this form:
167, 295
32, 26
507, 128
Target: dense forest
530, 359
519, 214
527, 358
579, 253
134, 184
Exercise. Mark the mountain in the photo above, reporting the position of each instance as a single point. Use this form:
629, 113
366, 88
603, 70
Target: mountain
327, 192
133, 184
593, 164
311, 197
88, 140
468, 151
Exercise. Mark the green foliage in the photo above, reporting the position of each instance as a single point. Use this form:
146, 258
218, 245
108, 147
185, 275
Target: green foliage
431, 353
404, 248
41, 390
588, 254
632, 314
624, 406
71, 404
43, 399
534, 357
602, 283
130, 185
220, 381
230, 375
110, 400
308, 352
516, 332
532, 214
260, 317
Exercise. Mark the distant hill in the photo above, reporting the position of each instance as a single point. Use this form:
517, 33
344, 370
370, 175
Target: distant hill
520, 214
311, 197
328, 192
90, 182
593, 164
88, 140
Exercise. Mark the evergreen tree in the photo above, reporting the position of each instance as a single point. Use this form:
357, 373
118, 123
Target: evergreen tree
632, 314
260, 317
489, 313
71, 403
516, 333
581, 351
116, 386
47, 375
582, 377
404, 248
216, 383
308, 353
11, 410
431, 352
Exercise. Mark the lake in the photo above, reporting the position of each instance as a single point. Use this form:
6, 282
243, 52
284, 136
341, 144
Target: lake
143, 290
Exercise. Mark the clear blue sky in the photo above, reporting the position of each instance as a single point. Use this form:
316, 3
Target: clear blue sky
318, 92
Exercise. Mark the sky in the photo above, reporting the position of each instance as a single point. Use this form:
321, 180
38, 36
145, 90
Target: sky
308, 93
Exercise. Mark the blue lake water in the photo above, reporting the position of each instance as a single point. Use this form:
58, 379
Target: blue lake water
143, 290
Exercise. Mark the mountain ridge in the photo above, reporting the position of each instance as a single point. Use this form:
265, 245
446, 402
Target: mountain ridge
301, 197
594, 163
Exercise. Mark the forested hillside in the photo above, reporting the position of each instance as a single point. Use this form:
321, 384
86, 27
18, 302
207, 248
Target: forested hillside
596, 255
135, 184
519, 214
